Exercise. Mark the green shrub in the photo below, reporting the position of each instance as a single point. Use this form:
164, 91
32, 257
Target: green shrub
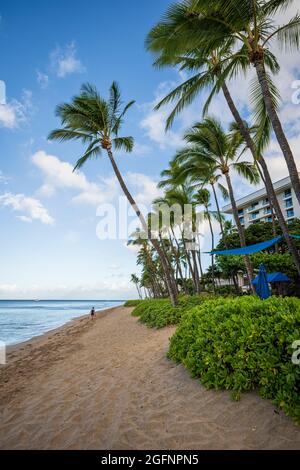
133, 303
158, 313
241, 344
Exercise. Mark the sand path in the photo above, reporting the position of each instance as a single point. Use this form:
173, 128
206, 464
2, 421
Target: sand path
108, 385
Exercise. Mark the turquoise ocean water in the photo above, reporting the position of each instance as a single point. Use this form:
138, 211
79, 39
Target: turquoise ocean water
21, 320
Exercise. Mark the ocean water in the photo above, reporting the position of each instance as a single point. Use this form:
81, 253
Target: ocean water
21, 320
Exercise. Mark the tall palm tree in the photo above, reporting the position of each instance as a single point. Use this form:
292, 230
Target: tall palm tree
203, 198
223, 151
176, 40
96, 122
250, 26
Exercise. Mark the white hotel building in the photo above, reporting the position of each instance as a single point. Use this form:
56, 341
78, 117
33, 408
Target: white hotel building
256, 207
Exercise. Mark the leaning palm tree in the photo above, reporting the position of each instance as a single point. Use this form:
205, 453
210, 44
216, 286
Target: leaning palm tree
222, 151
135, 280
176, 41
203, 198
97, 122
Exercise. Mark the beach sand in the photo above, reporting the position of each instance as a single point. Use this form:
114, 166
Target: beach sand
106, 384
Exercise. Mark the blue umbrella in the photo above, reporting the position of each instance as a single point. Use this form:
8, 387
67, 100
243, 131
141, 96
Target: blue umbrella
262, 286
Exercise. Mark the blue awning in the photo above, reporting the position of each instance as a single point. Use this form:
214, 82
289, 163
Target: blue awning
248, 250
274, 277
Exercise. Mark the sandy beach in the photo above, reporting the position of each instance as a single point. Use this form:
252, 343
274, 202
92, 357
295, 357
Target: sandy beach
107, 384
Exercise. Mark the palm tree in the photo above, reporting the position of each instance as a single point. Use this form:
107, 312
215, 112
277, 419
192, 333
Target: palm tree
165, 222
249, 24
212, 145
183, 197
145, 258
176, 39
135, 280
96, 122
203, 198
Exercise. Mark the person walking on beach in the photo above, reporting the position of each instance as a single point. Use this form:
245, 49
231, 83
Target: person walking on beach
93, 313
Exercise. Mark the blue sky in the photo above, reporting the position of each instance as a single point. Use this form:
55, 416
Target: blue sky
49, 247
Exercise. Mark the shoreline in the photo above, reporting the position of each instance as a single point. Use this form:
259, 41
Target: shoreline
13, 347
107, 384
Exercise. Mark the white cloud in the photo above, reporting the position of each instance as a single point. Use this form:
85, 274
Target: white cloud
154, 122
42, 79
10, 288
24, 218
64, 61
14, 112
118, 288
146, 189
59, 174
140, 149
31, 208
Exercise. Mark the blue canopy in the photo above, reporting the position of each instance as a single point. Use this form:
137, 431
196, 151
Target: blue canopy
262, 286
273, 277
248, 250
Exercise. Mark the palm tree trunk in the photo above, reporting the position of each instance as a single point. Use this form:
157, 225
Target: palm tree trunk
219, 215
138, 291
267, 178
157, 290
167, 271
187, 255
278, 129
212, 249
175, 254
196, 273
199, 256
241, 232
162, 244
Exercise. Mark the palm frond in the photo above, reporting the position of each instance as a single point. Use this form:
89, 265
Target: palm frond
248, 170
224, 191
92, 151
288, 35
124, 143
69, 134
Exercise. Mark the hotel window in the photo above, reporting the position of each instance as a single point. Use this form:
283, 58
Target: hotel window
265, 201
267, 210
287, 193
242, 220
289, 203
241, 211
254, 215
253, 206
290, 213
268, 219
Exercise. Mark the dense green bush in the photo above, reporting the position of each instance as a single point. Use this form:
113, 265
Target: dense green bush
241, 344
158, 313
132, 303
